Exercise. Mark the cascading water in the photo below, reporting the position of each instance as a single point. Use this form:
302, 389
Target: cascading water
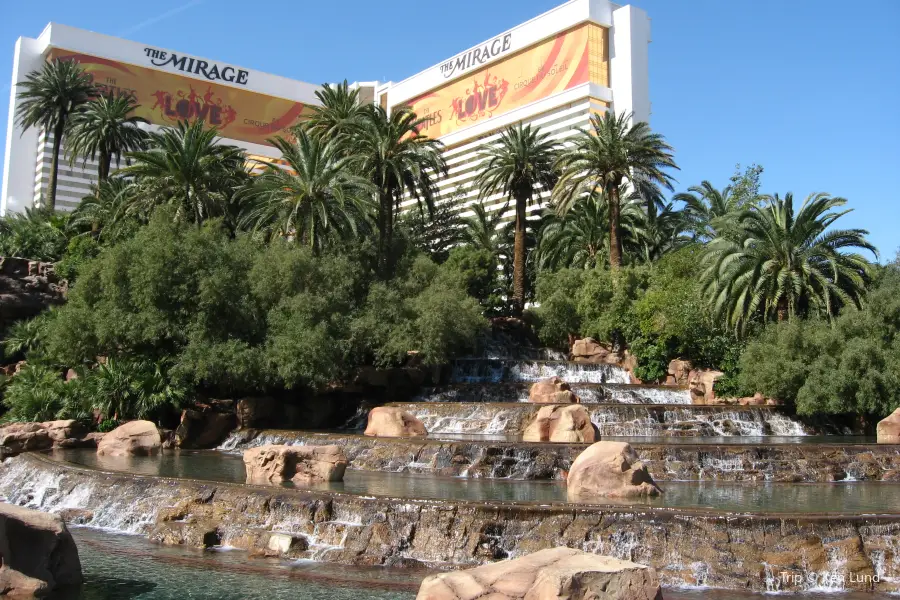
496, 371
589, 393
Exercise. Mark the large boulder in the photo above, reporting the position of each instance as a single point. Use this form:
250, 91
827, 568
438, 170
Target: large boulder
22, 437
256, 412
756, 399
203, 428
391, 421
552, 391
300, 464
679, 372
552, 574
135, 438
37, 552
69, 429
564, 424
589, 350
888, 429
609, 470
701, 385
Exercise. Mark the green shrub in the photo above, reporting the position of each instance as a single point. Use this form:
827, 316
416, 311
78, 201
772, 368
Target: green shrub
849, 366
80, 249
35, 393
36, 234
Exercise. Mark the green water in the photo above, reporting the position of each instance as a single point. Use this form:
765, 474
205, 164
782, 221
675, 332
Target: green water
120, 567
844, 497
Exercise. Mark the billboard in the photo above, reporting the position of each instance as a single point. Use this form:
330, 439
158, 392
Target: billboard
166, 98
555, 65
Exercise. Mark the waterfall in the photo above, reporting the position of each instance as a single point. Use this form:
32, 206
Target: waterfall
497, 371
638, 394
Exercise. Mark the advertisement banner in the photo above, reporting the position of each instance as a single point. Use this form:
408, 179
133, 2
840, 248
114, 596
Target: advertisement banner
553, 66
166, 98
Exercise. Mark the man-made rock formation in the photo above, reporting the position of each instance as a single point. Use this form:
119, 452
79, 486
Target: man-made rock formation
300, 464
687, 547
564, 424
135, 438
552, 391
23, 437
679, 372
389, 421
203, 428
589, 350
609, 470
701, 386
888, 429
552, 574
37, 553
256, 412
27, 288
756, 399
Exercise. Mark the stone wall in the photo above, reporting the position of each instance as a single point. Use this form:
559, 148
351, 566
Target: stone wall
687, 547
27, 287
722, 462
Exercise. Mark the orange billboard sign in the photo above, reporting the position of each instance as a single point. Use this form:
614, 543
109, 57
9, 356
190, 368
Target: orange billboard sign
166, 98
553, 66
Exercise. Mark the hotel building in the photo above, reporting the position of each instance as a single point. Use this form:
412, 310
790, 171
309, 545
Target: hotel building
554, 71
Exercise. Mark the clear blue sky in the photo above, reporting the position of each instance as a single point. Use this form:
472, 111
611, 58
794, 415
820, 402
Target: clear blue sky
809, 89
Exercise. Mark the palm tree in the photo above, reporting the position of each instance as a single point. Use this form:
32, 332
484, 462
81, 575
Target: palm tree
388, 150
605, 156
105, 126
187, 166
482, 229
785, 264
579, 238
660, 232
316, 198
708, 210
339, 114
519, 166
107, 211
48, 98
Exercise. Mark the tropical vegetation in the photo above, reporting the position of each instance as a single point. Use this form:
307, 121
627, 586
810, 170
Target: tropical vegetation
196, 273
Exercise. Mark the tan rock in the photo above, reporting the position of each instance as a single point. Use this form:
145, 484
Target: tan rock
391, 421
756, 399
564, 424
609, 470
552, 574
888, 429
135, 438
203, 429
589, 350
66, 429
38, 553
679, 372
300, 464
701, 385
22, 437
256, 412
552, 391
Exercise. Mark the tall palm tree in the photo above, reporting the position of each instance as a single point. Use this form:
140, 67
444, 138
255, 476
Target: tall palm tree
315, 199
608, 154
579, 238
661, 232
188, 167
339, 114
520, 166
105, 126
389, 151
786, 263
708, 210
49, 97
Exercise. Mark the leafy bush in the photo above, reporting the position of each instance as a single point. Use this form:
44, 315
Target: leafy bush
23, 336
850, 366
36, 234
35, 393
80, 249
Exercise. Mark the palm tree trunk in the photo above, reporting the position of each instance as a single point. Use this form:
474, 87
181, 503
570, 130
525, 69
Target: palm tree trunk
782, 309
103, 168
615, 239
519, 258
54, 164
383, 205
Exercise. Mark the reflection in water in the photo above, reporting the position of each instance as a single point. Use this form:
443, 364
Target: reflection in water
866, 497
120, 567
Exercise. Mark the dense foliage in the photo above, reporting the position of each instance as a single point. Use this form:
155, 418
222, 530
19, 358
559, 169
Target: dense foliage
196, 272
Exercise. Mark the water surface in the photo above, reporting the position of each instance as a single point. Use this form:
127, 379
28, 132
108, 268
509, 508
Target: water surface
843, 497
